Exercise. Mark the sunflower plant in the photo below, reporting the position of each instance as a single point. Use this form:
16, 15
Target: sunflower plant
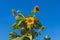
27, 25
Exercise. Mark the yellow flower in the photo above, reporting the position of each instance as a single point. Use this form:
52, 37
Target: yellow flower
36, 9
29, 21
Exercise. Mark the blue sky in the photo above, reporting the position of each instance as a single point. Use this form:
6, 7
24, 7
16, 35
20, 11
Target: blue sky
49, 16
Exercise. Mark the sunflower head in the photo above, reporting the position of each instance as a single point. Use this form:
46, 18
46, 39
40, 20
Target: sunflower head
36, 9
29, 21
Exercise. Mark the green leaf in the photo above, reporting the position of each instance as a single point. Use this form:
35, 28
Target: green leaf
26, 38
16, 25
19, 18
37, 24
12, 35
23, 31
42, 27
23, 24
36, 19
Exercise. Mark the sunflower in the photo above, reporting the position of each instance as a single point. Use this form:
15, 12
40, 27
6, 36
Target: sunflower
29, 21
36, 9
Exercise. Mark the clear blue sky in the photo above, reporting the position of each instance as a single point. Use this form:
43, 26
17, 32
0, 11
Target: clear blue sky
49, 16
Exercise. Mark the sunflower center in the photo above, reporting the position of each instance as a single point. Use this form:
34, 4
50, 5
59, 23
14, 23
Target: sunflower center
29, 20
37, 9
